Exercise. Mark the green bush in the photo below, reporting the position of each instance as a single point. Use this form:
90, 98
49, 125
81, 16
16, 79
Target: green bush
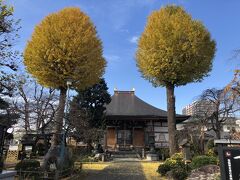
211, 148
177, 157
163, 153
174, 165
28, 168
200, 161
210, 144
195, 146
1, 164
27, 165
88, 159
164, 168
179, 173
210, 152
82, 154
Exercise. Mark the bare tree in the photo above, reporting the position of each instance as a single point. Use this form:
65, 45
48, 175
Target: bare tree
234, 86
35, 104
224, 107
80, 126
44, 106
194, 129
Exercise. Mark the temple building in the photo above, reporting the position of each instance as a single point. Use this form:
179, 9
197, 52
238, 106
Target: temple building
133, 123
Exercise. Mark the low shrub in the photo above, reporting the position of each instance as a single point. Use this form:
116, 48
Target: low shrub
1, 164
28, 168
163, 169
27, 165
210, 144
200, 161
174, 167
163, 153
179, 173
88, 159
211, 148
195, 147
177, 157
210, 152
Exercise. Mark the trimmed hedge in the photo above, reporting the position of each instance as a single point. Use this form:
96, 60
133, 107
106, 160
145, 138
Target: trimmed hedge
203, 160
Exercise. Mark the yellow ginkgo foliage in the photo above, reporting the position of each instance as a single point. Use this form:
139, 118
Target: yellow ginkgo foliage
174, 50
65, 46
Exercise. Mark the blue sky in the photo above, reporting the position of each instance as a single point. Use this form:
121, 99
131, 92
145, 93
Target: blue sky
119, 24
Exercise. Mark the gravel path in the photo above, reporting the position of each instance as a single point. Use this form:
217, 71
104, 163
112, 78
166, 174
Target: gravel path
118, 171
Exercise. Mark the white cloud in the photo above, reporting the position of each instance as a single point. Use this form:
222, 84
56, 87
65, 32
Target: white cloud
134, 39
112, 61
121, 11
112, 58
124, 30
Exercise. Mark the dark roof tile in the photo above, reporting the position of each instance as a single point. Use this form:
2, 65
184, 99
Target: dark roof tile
126, 103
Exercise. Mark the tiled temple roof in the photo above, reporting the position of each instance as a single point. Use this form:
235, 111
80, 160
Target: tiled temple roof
126, 103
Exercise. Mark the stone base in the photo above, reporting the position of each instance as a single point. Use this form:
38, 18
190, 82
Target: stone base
152, 157
8, 175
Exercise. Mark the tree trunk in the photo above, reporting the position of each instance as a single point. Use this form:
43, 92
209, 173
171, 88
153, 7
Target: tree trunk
59, 117
218, 127
218, 133
53, 153
202, 138
27, 119
171, 118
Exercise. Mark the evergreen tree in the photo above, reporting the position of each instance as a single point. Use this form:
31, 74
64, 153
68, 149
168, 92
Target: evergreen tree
8, 65
93, 100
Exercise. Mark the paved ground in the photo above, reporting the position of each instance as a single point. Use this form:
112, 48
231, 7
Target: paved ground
124, 169
117, 171
121, 169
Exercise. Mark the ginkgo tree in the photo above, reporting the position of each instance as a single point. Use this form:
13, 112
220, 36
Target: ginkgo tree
64, 46
174, 50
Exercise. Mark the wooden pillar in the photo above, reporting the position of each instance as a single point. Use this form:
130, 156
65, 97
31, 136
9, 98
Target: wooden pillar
105, 140
153, 122
124, 134
116, 137
133, 135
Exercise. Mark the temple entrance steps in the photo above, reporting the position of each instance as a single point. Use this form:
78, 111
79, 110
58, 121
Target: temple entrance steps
125, 155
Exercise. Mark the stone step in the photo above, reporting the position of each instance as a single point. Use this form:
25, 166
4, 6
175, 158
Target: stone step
125, 156
123, 152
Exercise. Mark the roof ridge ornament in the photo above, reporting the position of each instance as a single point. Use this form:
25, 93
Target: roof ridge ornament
116, 91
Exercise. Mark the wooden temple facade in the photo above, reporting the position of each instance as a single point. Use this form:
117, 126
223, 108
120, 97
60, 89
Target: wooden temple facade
133, 123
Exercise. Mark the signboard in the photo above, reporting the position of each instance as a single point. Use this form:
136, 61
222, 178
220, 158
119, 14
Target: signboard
231, 162
13, 148
2, 138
